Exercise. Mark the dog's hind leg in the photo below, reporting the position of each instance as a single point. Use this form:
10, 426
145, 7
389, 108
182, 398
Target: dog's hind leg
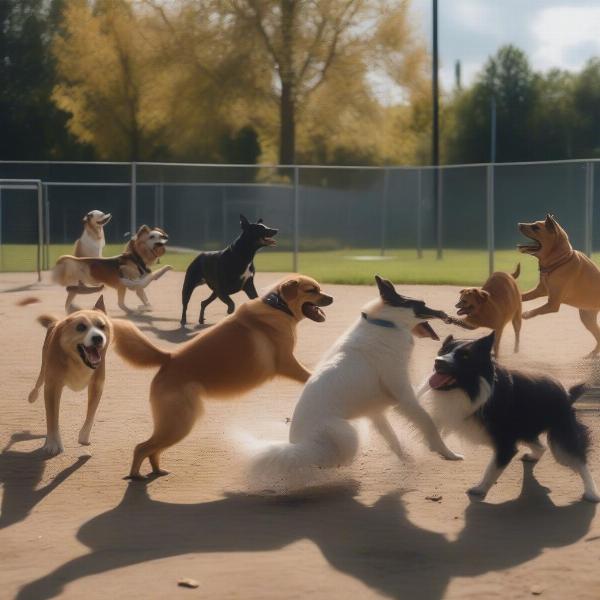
537, 450
516, 323
495, 468
204, 304
229, 302
121, 290
189, 285
94, 394
250, 289
33, 395
141, 294
589, 320
69, 301
382, 425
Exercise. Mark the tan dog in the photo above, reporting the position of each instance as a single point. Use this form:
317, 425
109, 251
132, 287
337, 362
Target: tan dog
566, 275
74, 356
91, 243
493, 305
128, 270
246, 349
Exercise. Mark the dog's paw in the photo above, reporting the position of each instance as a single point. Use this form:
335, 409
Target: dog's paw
527, 314
532, 458
84, 438
477, 492
33, 395
144, 308
52, 447
135, 477
452, 456
591, 497
159, 473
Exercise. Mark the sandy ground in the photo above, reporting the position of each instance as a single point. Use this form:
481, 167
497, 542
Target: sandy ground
71, 527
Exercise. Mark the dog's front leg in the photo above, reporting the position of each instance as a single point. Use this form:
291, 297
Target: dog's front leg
291, 368
250, 289
495, 468
383, 427
95, 388
121, 290
52, 393
141, 294
551, 306
538, 292
407, 405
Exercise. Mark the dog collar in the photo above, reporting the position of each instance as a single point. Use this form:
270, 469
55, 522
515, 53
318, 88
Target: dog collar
379, 322
557, 264
276, 301
139, 261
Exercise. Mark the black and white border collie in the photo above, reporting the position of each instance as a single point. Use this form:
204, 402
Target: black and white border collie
473, 396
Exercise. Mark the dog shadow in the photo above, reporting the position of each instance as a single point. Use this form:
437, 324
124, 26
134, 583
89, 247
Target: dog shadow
20, 473
146, 322
377, 544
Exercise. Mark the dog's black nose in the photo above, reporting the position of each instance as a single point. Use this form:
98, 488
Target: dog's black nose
440, 364
97, 340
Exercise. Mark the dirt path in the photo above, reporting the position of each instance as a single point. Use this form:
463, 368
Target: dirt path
71, 526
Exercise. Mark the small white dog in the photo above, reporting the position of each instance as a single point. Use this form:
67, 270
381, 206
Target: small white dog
364, 373
91, 243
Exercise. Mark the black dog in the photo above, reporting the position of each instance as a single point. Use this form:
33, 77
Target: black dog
227, 271
499, 407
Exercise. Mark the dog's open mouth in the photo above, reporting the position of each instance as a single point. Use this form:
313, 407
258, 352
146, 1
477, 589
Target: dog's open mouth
463, 310
90, 355
423, 330
440, 381
105, 219
268, 241
531, 247
313, 312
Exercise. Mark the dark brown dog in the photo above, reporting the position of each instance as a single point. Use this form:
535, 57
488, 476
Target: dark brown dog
493, 305
567, 276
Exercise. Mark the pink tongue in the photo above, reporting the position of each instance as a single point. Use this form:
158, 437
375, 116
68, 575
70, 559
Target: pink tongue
93, 354
438, 380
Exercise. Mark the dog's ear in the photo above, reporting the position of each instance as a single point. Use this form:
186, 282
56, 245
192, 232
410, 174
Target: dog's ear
289, 289
87, 217
386, 289
449, 339
142, 229
551, 224
482, 295
244, 222
260, 220
100, 304
486, 343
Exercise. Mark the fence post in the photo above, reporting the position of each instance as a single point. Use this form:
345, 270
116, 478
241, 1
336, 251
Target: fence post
490, 217
46, 224
133, 207
386, 178
40, 207
419, 213
296, 225
589, 207
438, 196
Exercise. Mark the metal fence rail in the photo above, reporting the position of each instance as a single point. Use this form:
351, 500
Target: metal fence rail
317, 208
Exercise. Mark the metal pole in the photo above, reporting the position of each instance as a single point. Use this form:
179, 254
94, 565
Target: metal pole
490, 217
589, 207
224, 213
161, 205
419, 216
133, 207
493, 130
296, 218
438, 183
40, 206
386, 181
435, 129
1, 249
46, 227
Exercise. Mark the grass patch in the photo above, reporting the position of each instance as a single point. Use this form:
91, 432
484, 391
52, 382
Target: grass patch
458, 267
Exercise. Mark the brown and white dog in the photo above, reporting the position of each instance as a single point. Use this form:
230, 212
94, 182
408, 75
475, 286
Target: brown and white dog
73, 355
493, 305
128, 270
91, 243
244, 350
567, 276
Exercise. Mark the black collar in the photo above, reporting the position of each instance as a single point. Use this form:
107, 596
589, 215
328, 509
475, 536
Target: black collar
558, 263
139, 261
379, 322
276, 301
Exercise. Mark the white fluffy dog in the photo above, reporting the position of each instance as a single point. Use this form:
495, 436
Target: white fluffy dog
364, 373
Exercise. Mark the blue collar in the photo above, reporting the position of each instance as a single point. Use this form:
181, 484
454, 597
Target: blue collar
379, 322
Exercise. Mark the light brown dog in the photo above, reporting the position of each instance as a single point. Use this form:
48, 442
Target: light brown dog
493, 305
246, 349
130, 270
73, 355
566, 275
91, 243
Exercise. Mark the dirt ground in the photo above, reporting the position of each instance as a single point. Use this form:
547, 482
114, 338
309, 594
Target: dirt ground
71, 527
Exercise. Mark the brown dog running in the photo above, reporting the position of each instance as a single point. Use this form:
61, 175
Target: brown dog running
130, 270
493, 305
566, 275
246, 349
73, 355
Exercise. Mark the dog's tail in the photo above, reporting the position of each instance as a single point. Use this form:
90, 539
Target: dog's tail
517, 272
577, 391
47, 321
135, 348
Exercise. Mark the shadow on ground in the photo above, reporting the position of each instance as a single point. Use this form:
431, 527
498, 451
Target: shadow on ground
376, 544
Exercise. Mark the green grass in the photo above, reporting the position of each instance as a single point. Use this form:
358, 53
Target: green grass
458, 267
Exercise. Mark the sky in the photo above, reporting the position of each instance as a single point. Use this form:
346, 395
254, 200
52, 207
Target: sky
553, 33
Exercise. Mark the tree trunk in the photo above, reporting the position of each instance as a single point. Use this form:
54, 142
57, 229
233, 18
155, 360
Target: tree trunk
287, 126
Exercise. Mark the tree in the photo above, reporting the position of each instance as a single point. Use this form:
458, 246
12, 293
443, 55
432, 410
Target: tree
586, 102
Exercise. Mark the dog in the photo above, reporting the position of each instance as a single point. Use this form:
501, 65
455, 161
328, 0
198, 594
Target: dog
493, 305
128, 270
227, 271
363, 374
470, 394
91, 243
73, 355
567, 276
241, 352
